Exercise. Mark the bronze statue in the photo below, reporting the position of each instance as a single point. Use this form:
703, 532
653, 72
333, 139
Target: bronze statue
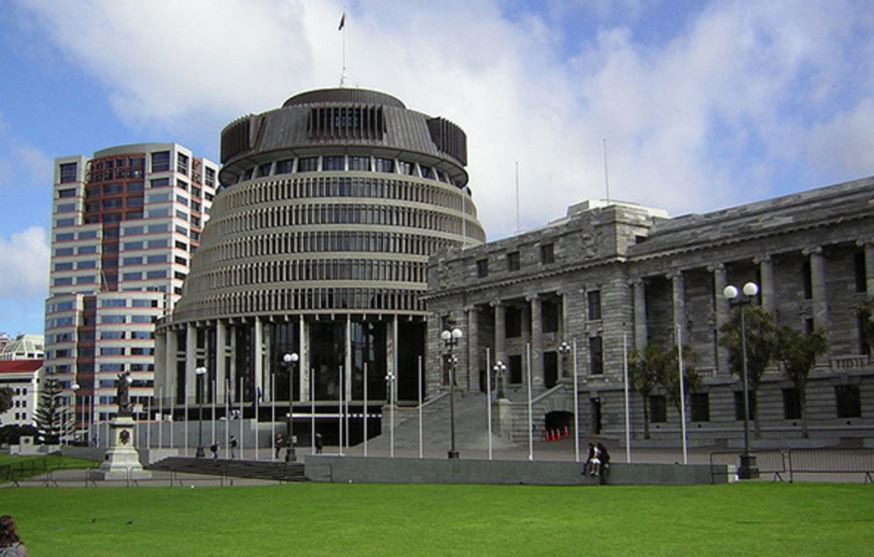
123, 394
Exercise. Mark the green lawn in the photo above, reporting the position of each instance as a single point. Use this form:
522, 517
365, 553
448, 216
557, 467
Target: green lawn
404, 520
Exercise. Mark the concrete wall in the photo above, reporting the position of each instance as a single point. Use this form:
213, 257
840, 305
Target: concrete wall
327, 468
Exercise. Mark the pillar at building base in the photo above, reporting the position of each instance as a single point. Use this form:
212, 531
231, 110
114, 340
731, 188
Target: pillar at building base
504, 426
121, 461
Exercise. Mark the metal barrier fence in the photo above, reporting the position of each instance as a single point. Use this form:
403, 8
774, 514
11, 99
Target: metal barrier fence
780, 464
841, 462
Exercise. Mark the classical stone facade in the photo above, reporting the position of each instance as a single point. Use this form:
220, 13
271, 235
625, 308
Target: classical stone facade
317, 246
611, 275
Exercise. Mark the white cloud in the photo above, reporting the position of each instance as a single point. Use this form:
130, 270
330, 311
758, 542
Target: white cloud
698, 121
25, 265
36, 163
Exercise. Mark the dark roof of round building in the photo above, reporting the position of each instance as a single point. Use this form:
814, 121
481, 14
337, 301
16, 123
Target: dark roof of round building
346, 96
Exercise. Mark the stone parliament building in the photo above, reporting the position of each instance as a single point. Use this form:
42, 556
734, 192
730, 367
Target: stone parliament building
614, 273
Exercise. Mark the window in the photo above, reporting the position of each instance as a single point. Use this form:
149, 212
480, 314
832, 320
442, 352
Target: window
700, 406
308, 164
385, 165
182, 199
182, 163
849, 404
515, 369
132, 276
113, 303
142, 319
359, 163
63, 252
67, 193
88, 279
133, 230
159, 213
111, 335
596, 355
859, 271
88, 235
658, 409
182, 185
547, 254
63, 266
807, 279
63, 281
593, 297
549, 315
68, 172
112, 319
112, 351
264, 169
66, 208
152, 259
482, 268
861, 325
156, 275
513, 322
513, 261
284, 166
87, 250
133, 246
427, 172
739, 405
61, 223
87, 265
160, 183
210, 176
135, 187
333, 163
406, 168
161, 162
791, 404
137, 303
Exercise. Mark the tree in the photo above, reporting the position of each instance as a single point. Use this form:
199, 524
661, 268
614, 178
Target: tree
50, 418
5, 399
647, 370
671, 375
798, 351
761, 341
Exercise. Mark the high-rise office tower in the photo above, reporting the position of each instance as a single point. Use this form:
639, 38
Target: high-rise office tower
125, 224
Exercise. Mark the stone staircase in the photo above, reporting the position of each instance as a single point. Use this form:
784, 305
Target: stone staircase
261, 470
471, 430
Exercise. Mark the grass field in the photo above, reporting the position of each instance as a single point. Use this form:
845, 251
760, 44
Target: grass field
405, 520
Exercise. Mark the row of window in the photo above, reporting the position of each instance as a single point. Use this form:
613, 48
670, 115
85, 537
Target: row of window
328, 214
339, 186
294, 299
322, 242
310, 269
341, 163
81, 235
847, 405
514, 263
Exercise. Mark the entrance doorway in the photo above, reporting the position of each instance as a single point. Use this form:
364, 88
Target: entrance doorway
595, 414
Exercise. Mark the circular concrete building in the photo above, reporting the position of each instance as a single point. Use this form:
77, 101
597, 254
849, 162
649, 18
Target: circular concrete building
317, 245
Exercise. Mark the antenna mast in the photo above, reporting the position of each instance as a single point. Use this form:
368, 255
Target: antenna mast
342, 28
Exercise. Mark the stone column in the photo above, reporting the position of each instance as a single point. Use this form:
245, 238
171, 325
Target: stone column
766, 288
500, 332
473, 355
190, 363
818, 288
170, 372
678, 289
221, 372
536, 303
640, 332
563, 322
722, 313
347, 360
869, 266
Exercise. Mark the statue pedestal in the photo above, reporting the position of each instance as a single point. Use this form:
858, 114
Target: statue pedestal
121, 461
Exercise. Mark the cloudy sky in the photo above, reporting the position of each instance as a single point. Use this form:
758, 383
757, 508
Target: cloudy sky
702, 104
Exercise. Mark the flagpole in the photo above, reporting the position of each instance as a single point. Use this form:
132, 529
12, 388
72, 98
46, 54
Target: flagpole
227, 414
627, 407
148, 421
489, 399
241, 417
530, 410
186, 423
312, 410
273, 413
682, 393
365, 409
421, 439
212, 395
576, 406
340, 414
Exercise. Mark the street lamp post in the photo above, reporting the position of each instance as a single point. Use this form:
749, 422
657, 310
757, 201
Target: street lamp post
564, 349
500, 372
450, 340
200, 373
290, 360
748, 468
75, 387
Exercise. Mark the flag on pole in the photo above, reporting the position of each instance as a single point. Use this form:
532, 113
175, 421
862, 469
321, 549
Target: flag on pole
342, 22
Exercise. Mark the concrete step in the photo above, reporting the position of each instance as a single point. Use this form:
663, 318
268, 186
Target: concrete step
279, 471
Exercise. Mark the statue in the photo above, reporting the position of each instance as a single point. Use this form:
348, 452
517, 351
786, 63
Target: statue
123, 394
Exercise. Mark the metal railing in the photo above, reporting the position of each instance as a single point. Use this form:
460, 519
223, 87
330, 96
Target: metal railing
780, 464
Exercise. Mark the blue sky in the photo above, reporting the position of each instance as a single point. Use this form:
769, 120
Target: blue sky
703, 104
